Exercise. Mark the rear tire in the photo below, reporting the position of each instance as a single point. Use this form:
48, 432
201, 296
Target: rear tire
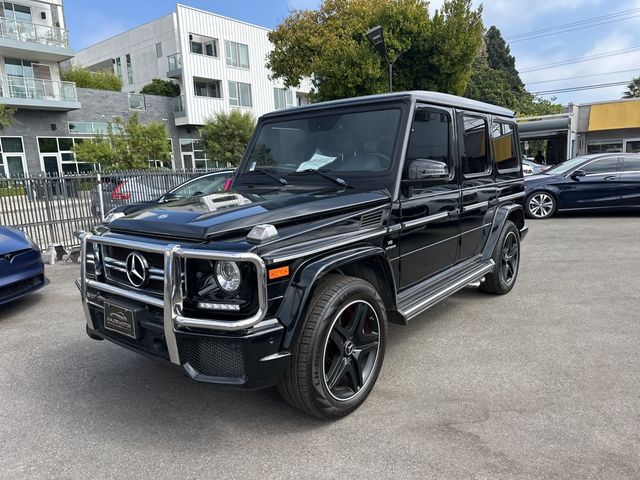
339, 353
506, 256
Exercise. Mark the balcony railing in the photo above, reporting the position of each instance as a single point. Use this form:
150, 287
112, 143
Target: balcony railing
31, 32
175, 61
37, 89
178, 105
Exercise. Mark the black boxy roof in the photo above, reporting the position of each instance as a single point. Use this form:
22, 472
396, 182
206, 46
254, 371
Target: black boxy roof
434, 98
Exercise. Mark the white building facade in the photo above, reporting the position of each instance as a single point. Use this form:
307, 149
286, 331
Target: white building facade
218, 62
33, 42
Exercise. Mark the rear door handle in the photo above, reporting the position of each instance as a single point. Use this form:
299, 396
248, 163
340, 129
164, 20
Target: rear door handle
454, 213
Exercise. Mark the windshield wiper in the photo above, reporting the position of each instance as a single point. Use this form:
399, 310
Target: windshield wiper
278, 179
336, 180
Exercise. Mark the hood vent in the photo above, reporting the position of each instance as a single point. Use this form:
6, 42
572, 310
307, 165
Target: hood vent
370, 220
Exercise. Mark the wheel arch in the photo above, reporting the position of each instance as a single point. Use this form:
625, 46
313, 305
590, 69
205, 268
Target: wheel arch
512, 212
368, 263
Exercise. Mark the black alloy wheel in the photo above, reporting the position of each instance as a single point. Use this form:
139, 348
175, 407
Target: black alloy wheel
506, 256
510, 258
351, 349
340, 348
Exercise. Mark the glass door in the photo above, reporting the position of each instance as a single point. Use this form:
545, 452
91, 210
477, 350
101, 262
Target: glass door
51, 164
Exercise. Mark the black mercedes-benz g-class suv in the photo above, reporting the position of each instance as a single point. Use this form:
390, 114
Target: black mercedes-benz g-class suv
341, 217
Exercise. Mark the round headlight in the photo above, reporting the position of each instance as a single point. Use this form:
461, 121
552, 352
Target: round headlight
228, 276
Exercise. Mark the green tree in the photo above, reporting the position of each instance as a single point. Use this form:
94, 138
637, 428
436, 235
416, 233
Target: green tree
164, 88
6, 116
85, 78
633, 89
128, 145
496, 80
329, 45
225, 136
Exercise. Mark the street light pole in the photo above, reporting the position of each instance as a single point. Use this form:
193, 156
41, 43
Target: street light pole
376, 36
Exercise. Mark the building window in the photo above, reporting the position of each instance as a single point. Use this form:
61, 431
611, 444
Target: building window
129, 69
207, 88
20, 13
136, 101
504, 147
203, 45
193, 155
240, 94
475, 160
603, 147
58, 151
283, 98
118, 64
163, 163
12, 159
159, 50
237, 54
89, 128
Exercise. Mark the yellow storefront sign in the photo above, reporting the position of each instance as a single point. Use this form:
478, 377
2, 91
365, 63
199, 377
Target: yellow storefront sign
612, 116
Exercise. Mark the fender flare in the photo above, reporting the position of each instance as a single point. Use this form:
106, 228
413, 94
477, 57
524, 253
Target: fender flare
503, 213
294, 304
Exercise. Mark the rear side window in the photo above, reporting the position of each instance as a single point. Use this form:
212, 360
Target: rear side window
631, 164
504, 147
604, 165
474, 155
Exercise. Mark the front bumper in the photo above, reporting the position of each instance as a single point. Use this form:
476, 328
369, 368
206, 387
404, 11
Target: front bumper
22, 276
244, 352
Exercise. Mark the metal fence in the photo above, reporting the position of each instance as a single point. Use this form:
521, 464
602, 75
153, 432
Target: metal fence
51, 208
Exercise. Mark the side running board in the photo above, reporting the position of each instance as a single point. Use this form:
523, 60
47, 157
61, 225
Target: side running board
419, 299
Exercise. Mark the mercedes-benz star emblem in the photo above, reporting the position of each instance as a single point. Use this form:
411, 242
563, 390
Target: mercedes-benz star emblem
137, 269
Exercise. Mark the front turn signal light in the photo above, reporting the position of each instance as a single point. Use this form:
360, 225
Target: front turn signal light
278, 272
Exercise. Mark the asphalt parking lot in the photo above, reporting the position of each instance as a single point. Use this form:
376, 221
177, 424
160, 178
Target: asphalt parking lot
541, 383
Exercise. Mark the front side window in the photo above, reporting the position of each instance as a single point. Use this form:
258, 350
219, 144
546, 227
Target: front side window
207, 88
504, 147
237, 54
430, 141
240, 94
360, 142
473, 148
603, 165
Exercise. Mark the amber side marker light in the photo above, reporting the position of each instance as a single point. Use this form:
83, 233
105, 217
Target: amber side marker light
278, 273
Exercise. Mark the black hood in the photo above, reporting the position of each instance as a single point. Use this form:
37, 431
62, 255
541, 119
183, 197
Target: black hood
235, 212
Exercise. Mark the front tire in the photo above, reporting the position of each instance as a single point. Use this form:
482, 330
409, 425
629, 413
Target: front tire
506, 256
340, 350
540, 205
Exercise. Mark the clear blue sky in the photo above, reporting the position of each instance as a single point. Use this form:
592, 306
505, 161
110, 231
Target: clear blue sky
92, 21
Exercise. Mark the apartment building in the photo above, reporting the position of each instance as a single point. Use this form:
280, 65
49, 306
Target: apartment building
218, 62
33, 42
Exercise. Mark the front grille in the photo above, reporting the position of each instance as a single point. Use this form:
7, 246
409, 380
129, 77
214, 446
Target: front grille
17, 288
115, 267
212, 357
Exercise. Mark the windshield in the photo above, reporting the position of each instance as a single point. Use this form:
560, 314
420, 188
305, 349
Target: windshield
565, 166
205, 185
340, 144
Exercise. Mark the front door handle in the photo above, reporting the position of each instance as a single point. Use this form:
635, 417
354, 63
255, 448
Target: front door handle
610, 178
454, 213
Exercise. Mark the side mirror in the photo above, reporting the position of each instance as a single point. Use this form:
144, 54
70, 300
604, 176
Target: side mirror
578, 173
427, 169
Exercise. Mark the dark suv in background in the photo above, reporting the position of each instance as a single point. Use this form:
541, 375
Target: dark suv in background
343, 216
